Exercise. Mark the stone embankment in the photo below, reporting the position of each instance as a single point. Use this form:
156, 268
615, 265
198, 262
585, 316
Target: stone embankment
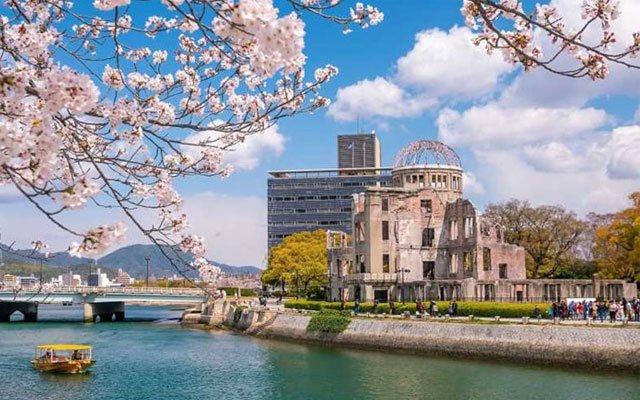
601, 348
576, 346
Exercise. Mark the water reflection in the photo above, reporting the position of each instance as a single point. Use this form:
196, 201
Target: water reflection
163, 361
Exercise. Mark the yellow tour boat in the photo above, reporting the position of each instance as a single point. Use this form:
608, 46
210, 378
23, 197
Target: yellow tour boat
65, 358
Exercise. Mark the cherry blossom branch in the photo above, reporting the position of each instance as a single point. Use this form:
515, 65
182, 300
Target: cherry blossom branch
94, 112
524, 43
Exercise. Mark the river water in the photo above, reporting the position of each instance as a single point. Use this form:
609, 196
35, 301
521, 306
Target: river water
152, 357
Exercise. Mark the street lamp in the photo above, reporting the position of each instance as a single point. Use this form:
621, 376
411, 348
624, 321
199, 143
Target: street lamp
147, 258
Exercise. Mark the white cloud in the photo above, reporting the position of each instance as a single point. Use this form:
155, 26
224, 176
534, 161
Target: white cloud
247, 154
636, 116
377, 97
441, 64
234, 227
493, 125
623, 151
541, 87
507, 174
559, 157
471, 185
449, 64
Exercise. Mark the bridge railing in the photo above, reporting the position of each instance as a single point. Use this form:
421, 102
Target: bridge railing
124, 290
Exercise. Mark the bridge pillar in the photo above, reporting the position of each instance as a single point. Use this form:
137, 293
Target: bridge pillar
106, 311
28, 309
6, 309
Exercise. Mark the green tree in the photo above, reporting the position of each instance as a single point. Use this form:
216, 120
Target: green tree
300, 261
617, 243
551, 236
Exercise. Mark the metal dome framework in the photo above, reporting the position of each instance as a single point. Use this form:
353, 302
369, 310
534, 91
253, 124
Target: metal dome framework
424, 152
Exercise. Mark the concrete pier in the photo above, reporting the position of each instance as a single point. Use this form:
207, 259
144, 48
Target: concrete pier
106, 311
27, 308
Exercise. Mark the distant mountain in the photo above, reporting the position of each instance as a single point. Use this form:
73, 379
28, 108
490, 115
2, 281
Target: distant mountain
132, 260
58, 259
129, 258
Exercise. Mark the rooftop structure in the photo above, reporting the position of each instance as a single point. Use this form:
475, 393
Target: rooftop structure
358, 151
427, 152
311, 199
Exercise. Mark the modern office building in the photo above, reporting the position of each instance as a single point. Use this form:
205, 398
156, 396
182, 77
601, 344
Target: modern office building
303, 200
358, 151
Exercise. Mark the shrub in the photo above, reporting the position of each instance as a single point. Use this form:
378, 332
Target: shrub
231, 291
329, 321
476, 308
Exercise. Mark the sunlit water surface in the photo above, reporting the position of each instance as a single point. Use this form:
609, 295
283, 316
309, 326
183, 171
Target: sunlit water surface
151, 357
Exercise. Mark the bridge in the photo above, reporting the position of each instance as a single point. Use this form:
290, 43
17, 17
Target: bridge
106, 303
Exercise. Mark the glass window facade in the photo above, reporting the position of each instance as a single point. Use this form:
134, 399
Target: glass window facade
299, 202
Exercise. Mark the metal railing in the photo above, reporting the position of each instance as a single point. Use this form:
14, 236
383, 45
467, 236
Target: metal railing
109, 290
367, 277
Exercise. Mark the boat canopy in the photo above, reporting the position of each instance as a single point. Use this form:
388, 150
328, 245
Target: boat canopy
63, 347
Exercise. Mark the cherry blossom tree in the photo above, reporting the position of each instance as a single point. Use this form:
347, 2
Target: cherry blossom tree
542, 37
107, 103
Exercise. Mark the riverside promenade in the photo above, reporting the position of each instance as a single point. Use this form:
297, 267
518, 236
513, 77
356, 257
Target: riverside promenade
568, 343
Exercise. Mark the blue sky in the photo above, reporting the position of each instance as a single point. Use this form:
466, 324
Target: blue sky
533, 136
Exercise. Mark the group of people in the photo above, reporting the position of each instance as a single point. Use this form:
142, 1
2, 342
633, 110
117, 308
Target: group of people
611, 310
421, 309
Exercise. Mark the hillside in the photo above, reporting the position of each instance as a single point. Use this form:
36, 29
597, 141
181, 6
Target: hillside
48, 272
129, 258
58, 259
132, 259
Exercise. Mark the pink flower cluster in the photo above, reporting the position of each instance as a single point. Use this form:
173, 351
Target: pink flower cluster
232, 66
97, 240
520, 46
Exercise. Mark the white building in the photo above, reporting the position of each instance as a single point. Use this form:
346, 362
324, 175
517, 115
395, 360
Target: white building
98, 279
123, 278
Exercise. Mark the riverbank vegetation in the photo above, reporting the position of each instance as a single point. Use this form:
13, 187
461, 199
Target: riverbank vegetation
329, 321
478, 309
559, 244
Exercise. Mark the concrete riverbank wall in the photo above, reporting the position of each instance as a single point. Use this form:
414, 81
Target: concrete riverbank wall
580, 347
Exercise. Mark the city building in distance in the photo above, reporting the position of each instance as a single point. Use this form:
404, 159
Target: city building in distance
358, 151
311, 199
418, 238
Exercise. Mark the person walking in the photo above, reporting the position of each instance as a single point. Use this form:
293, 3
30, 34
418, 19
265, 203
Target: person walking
602, 310
356, 307
593, 312
613, 311
628, 311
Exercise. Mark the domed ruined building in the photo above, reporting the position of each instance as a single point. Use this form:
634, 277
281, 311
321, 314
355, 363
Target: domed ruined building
420, 239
